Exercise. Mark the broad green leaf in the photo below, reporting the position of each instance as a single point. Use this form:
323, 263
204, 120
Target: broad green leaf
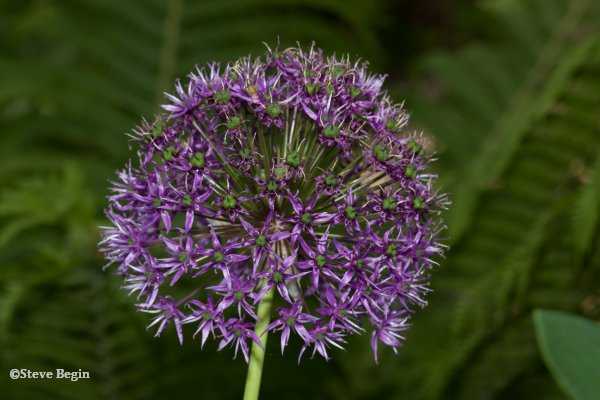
570, 346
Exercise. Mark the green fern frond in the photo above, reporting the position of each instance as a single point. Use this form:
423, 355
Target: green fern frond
496, 94
37, 202
86, 325
586, 212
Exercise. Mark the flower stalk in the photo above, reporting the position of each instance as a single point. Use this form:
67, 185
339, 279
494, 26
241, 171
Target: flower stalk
257, 355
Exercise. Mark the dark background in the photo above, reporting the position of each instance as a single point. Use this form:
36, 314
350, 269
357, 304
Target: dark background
508, 92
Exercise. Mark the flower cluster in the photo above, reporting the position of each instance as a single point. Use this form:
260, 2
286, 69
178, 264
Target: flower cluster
291, 174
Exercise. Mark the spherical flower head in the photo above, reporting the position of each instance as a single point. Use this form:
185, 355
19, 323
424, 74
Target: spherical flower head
291, 174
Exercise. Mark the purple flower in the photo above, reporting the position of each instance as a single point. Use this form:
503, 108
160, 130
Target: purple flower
167, 311
235, 332
290, 320
317, 259
290, 174
305, 217
221, 256
262, 241
388, 325
320, 338
235, 290
339, 312
283, 277
207, 314
181, 258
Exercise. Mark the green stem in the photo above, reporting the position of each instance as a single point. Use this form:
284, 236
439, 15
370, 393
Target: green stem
257, 354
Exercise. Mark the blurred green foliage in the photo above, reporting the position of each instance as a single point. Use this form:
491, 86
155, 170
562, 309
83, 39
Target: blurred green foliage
508, 91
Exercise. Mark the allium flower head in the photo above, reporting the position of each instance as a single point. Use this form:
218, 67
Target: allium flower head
290, 174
